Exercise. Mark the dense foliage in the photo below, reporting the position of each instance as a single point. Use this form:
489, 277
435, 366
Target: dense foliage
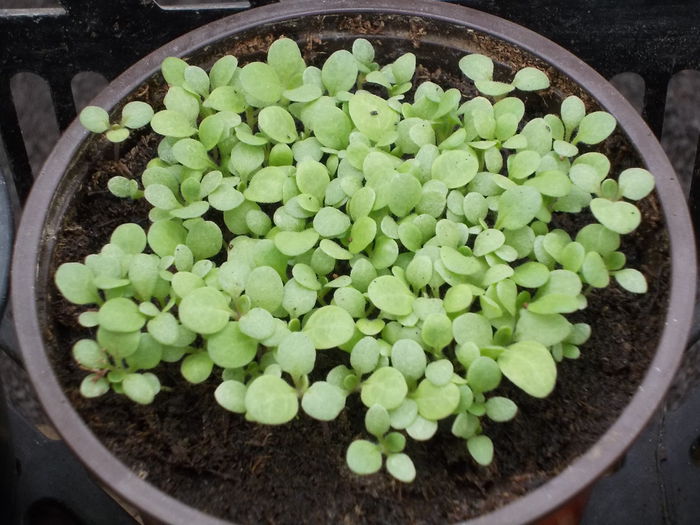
294, 210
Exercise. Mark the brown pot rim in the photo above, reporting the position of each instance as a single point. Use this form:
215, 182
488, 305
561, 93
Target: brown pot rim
535, 504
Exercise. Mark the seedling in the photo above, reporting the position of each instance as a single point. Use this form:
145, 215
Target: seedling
413, 234
134, 115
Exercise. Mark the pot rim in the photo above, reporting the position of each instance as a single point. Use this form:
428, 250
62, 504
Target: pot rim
539, 502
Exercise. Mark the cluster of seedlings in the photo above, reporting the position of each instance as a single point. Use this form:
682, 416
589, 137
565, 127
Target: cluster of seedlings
294, 210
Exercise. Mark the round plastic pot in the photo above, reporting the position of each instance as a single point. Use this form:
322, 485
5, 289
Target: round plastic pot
437, 33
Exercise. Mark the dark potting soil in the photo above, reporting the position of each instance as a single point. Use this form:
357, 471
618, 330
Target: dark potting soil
191, 448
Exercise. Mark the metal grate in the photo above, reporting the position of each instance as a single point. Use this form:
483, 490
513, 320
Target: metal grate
65, 41
654, 39
58, 43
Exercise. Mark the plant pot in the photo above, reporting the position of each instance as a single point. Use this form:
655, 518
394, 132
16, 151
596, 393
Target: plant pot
439, 35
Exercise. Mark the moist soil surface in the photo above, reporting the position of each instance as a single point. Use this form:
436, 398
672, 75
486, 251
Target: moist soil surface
190, 447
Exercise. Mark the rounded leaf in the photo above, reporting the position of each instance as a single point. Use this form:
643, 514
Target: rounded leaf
225, 198
231, 395
476, 67
595, 127
386, 387
635, 183
572, 111
460, 264
230, 347
75, 282
363, 50
285, 58
631, 280
264, 288
422, 429
138, 388
488, 241
458, 298
409, 358
94, 119
439, 372
372, 115
164, 328
594, 271
171, 123
598, 238
136, 114
365, 355
94, 385
298, 299
296, 354
377, 421
493, 88
89, 355
266, 185
547, 329
436, 402
117, 134
419, 271
197, 367
329, 327
331, 222
620, 217
363, 232
271, 400
530, 366
401, 467
260, 81
456, 168
437, 331
363, 457
222, 71
405, 194
323, 401
293, 243
523, 164
554, 304
204, 311
501, 409
481, 449
118, 344
391, 295
192, 154
258, 323
530, 79
129, 237
121, 315
483, 374
517, 207
278, 124
165, 236
339, 71
226, 98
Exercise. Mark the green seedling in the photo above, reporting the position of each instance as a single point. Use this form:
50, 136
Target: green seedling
293, 212
134, 115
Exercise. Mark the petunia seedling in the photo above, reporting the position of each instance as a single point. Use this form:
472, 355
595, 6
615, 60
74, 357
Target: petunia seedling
318, 233
134, 115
